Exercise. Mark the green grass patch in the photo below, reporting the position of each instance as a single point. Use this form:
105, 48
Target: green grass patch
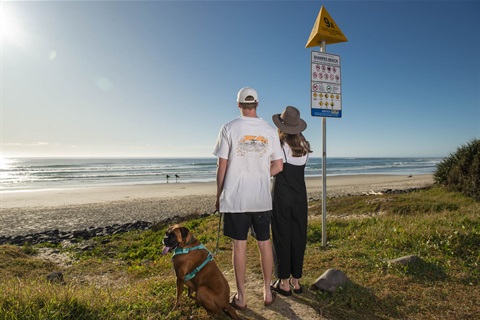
125, 276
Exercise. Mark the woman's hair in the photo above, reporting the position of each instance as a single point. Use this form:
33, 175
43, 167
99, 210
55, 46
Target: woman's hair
297, 143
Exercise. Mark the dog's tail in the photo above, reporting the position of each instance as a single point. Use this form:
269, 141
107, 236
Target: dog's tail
229, 311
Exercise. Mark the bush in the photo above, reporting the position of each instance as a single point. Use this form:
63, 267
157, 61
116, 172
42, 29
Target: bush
461, 170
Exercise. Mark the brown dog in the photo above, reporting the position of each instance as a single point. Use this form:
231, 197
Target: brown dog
195, 268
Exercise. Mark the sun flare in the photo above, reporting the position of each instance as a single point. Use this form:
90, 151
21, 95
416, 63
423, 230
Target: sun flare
11, 27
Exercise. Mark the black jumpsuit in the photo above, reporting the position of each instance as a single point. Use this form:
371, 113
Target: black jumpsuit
289, 221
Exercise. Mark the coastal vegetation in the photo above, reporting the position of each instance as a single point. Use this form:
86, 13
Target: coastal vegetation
460, 171
124, 276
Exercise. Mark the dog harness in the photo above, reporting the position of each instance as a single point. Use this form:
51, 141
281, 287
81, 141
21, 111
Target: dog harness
192, 274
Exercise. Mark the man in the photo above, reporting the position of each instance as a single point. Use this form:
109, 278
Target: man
249, 153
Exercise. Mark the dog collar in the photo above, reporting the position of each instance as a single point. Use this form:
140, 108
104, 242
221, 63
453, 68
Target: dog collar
192, 274
187, 250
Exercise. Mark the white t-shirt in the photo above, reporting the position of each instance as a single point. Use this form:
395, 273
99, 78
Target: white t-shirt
296, 161
249, 144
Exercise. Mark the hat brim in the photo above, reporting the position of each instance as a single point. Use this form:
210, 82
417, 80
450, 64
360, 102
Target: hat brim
289, 129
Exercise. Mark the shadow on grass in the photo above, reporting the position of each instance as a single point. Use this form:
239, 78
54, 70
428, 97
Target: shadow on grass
357, 302
423, 272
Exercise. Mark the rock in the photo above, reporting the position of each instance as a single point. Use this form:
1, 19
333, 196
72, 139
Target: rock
330, 280
56, 236
406, 260
56, 277
146, 262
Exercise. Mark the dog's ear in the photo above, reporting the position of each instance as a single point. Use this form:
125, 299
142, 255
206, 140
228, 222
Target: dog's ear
184, 232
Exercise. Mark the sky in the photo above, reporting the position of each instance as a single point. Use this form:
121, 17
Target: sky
159, 78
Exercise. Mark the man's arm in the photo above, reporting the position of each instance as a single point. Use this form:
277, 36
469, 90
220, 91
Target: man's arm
276, 166
221, 171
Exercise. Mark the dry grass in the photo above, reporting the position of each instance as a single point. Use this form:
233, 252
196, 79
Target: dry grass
125, 276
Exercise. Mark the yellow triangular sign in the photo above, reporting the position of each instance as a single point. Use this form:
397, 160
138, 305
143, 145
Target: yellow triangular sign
325, 29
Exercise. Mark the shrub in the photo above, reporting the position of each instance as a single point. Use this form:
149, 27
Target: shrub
460, 171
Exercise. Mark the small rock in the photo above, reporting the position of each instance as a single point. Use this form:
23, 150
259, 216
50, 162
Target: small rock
406, 260
330, 280
56, 277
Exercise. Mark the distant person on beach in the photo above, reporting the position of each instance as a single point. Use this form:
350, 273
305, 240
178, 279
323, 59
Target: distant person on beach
249, 153
290, 211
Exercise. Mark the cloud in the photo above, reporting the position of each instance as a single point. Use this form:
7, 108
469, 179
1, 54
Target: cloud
32, 144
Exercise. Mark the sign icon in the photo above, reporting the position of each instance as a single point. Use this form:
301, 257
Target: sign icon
325, 29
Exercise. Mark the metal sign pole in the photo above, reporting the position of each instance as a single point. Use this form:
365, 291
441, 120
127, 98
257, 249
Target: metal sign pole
324, 31
323, 48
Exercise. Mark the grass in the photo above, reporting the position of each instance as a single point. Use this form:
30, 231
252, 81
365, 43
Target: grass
125, 277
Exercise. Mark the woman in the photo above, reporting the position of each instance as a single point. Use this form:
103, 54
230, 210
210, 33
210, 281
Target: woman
290, 211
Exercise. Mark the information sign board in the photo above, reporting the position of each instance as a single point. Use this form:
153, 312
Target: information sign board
326, 85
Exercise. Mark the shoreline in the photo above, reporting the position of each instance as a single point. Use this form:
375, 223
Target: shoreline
336, 185
74, 209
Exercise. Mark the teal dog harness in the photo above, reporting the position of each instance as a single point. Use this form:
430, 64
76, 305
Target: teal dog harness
192, 274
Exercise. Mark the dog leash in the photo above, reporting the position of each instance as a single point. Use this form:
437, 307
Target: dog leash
218, 233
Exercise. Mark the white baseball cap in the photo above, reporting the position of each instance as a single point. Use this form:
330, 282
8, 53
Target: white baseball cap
245, 93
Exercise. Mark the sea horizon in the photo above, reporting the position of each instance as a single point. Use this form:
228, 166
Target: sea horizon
38, 173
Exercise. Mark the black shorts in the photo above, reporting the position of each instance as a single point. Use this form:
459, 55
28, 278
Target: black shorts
236, 225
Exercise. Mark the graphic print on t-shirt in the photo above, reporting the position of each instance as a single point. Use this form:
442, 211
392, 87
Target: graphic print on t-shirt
252, 144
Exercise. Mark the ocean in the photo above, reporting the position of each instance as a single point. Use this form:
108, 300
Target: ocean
54, 173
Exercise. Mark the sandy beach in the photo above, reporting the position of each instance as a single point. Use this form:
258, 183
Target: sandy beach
23, 212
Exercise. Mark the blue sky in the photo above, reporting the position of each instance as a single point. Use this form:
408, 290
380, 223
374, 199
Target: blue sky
159, 78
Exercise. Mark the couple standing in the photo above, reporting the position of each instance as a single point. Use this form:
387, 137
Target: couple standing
249, 152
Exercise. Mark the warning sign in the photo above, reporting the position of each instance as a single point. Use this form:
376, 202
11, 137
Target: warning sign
326, 85
325, 29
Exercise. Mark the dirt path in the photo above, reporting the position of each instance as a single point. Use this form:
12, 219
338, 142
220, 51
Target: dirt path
294, 307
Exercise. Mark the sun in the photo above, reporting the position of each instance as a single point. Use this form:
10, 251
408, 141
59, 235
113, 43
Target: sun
5, 163
10, 26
